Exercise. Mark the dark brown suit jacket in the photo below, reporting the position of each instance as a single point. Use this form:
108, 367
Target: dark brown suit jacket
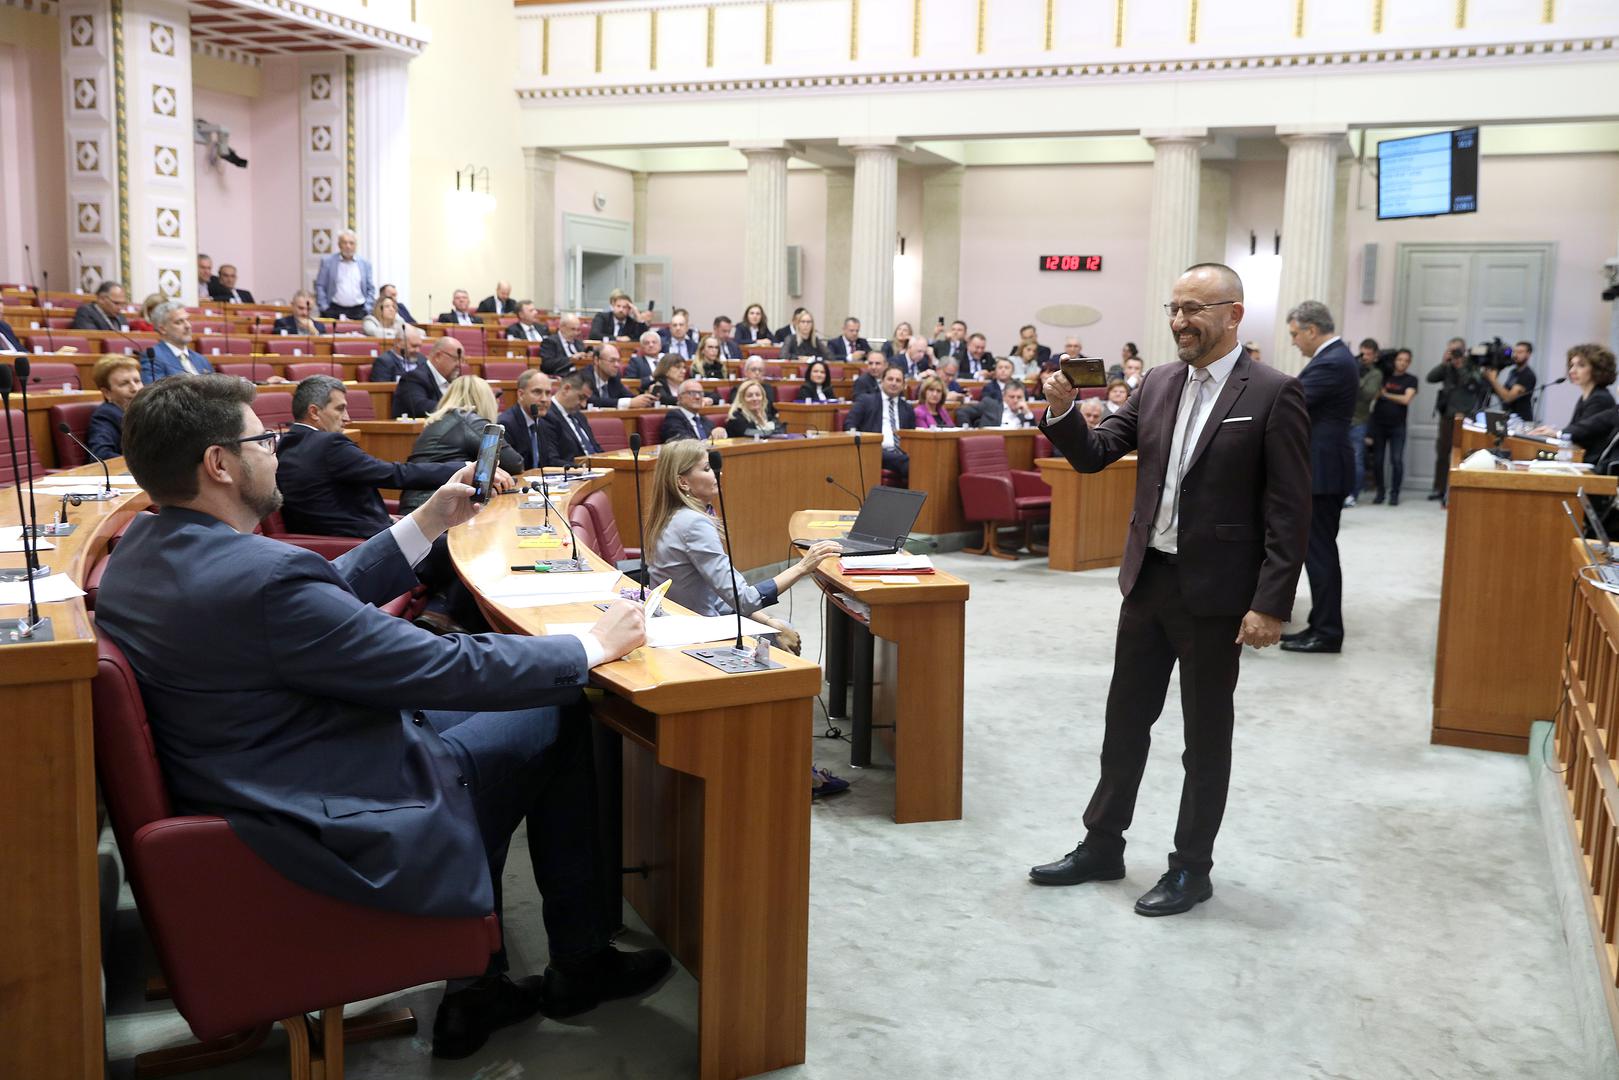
1245, 500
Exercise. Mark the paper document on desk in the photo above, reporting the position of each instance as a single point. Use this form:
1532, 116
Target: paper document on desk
59, 480
899, 562
545, 590
678, 631
11, 540
48, 590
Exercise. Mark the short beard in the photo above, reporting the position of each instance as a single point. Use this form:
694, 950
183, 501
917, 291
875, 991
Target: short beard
1190, 353
262, 505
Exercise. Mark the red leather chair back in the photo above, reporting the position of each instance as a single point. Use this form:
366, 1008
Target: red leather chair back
77, 417
609, 431
983, 454
300, 372
279, 345
610, 545
651, 428
275, 410
838, 418
1093, 391
362, 373
219, 345
785, 390
503, 369
1042, 446
126, 759
28, 463
584, 526
470, 337
253, 372
360, 407
52, 374
53, 342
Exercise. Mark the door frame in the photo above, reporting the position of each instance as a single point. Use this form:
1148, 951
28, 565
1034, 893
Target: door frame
1402, 265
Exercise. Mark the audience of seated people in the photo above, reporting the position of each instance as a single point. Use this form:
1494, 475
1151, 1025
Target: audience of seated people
302, 320
644, 360
570, 429
686, 420
527, 424
419, 390
753, 413
528, 326
803, 343
557, 351
453, 433
402, 359
620, 322
385, 321
886, 413
664, 385
392, 293
1028, 334
173, 354
105, 312
1006, 410
460, 313
916, 359
119, 380
897, 341
607, 389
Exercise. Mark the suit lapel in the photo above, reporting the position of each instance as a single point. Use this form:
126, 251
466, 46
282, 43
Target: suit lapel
1235, 384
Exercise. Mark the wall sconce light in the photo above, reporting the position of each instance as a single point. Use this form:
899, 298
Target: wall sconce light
467, 207
1253, 243
1278, 243
902, 245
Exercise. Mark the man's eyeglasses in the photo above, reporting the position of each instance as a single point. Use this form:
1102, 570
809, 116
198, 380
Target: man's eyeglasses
270, 439
1192, 311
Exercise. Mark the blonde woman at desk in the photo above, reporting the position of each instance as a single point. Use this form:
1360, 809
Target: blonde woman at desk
683, 545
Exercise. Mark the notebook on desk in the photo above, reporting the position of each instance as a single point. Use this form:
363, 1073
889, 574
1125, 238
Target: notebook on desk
883, 524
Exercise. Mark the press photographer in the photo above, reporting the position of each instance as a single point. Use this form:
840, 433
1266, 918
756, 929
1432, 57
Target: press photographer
1462, 392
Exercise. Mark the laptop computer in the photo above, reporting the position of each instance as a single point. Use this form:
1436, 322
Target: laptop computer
1609, 575
883, 524
1594, 519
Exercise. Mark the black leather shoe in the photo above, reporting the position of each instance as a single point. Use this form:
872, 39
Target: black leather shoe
1394, 499
1077, 867
1298, 635
1176, 891
580, 986
1435, 496
1379, 500
467, 1017
1313, 644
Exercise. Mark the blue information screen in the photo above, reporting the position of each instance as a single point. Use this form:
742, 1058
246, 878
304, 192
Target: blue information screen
1428, 175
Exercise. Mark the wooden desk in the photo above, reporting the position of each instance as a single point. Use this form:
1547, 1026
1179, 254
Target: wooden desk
916, 671
390, 440
714, 770
1585, 736
802, 417
765, 482
1466, 440
936, 466
1090, 512
50, 951
1503, 607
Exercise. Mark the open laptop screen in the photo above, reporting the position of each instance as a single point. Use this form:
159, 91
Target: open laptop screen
888, 514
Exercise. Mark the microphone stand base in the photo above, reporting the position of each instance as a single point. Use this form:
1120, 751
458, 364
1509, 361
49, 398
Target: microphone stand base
55, 528
730, 660
18, 573
105, 495
22, 632
563, 566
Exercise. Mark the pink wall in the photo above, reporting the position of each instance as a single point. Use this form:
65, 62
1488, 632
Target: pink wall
1010, 215
577, 183
33, 197
908, 267
225, 195
1256, 204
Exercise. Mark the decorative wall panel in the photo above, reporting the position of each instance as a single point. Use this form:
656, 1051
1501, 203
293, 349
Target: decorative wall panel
161, 197
89, 115
323, 114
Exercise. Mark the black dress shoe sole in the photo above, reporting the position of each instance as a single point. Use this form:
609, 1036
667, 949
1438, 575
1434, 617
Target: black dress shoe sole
1298, 635
1109, 874
482, 1024
637, 977
1176, 909
1313, 645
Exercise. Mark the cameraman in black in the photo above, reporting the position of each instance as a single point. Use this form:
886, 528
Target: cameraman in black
1514, 384
1462, 392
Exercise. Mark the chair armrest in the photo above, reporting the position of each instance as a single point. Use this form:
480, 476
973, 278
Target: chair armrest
1026, 482
987, 497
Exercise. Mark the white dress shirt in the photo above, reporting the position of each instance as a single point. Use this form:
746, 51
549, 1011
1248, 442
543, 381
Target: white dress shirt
890, 421
443, 383
1166, 523
346, 284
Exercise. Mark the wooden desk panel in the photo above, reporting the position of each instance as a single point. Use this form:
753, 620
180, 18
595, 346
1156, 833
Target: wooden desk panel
936, 468
50, 952
1465, 441
1503, 608
1090, 512
390, 440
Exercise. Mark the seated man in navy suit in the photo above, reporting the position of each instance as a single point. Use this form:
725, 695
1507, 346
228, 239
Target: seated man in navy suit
571, 436
527, 429
848, 346
685, 421
607, 389
917, 358
337, 767
420, 389
399, 361
644, 361
887, 412
173, 355
302, 321
678, 337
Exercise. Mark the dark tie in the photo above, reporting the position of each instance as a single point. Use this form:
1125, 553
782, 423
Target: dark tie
893, 415
534, 444
586, 439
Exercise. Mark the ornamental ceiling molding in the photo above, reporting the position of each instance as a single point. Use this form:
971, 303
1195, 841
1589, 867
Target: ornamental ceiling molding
1123, 69
352, 28
42, 7
216, 51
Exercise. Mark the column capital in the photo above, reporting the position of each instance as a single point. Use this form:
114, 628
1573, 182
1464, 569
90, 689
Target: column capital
893, 144
1334, 135
1196, 136
539, 157
766, 147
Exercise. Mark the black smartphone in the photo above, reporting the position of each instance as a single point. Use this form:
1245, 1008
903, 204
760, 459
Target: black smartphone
1085, 372
483, 473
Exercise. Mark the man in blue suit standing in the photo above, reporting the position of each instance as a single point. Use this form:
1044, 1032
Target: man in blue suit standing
362, 758
173, 355
343, 288
1331, 380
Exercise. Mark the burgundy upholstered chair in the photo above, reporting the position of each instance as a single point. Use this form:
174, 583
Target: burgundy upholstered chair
996, 495
75, 415
609, 432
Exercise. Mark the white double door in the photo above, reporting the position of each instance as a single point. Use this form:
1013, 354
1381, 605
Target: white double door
1471, 291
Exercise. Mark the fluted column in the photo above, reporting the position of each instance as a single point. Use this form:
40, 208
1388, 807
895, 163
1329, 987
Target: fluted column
941, 243
871, 236
839, 222
382, 167
1307, 230
764, 255
540, 211
1171, 230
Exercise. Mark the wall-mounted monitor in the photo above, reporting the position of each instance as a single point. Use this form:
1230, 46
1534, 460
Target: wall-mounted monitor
1428, 175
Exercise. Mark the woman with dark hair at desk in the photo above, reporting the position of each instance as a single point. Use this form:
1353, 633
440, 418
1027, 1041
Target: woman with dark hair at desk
752, 412
666, 379
754, 329
1591, 369
817, 383
683, 545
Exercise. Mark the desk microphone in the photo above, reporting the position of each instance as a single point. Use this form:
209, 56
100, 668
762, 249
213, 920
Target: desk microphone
22, 367
31, 628
557, 565
857, 500
1542, 389
106, 492
50, 341
640, 517
860, 463
717, 464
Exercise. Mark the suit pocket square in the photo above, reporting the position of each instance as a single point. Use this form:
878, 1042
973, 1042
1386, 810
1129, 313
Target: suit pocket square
1235, 419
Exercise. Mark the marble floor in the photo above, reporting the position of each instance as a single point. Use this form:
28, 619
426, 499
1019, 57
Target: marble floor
1381, 907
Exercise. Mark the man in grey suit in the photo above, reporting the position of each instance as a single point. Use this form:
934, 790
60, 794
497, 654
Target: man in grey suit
105, 312
360, 756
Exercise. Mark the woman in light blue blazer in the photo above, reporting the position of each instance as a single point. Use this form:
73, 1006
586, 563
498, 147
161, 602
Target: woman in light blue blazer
683, 545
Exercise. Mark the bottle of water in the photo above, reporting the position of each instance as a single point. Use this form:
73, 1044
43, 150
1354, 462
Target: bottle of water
1565, 447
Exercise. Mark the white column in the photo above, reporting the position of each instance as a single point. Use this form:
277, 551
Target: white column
764, 255
1307, 230
323, 159
941, 244
540, 202
382, 169
638, 228
88, 104
1177, 167
839, 219
872, 234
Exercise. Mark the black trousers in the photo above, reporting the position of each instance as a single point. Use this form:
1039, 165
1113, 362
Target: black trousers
1326, 573
332, 311
1441, 453
898, 461
1155, 632
1388, 444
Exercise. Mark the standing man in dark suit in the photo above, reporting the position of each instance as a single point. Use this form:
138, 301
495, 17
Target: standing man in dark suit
887, 413
1331, 381
420, 389
570, 428
557, 351
501, 303
335, 766
527, 429
1211, 561
105, 312
223, 287
848, 346
685, 420
620, 322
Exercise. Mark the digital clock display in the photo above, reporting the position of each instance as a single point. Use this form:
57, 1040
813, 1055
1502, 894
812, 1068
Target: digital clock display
1071, 263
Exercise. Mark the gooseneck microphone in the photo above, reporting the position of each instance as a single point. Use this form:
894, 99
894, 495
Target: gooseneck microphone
572, 537
860, 463
32, 628
846, 491
106, 492
23, 367
716, 463
640, 516
50, 341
